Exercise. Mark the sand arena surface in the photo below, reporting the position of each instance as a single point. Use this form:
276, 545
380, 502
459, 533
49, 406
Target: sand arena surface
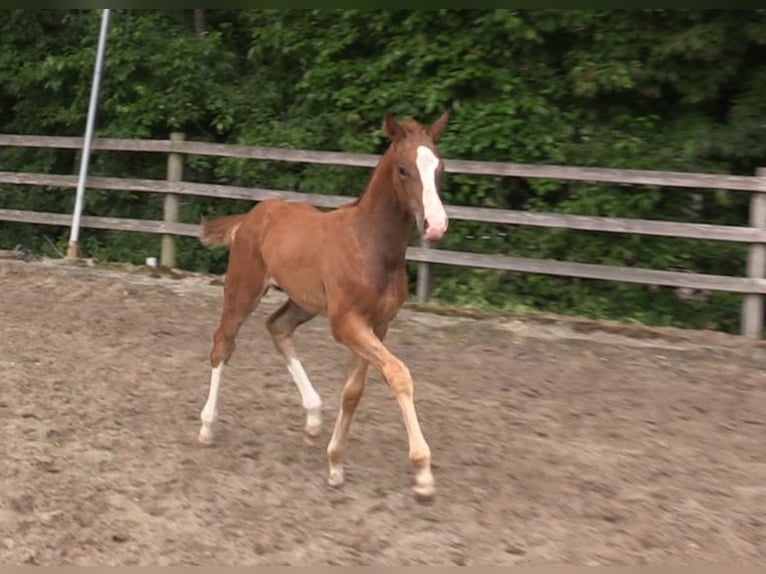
551, 443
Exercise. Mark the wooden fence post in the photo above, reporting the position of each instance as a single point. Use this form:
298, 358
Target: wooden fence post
424, 280
170, 209
753, 305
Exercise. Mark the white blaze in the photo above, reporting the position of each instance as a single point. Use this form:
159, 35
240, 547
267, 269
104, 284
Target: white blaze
433, 210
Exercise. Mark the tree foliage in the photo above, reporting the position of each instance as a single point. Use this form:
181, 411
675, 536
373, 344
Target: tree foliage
652, 89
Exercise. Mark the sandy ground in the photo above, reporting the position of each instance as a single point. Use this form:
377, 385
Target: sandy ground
551, 443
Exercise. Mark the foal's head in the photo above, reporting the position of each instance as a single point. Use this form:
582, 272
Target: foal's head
417, 170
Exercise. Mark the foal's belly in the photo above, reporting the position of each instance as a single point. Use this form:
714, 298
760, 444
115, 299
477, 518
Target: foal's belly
291, 248
296, 272
307, 294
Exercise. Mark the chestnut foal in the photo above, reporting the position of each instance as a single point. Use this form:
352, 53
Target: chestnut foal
347, 264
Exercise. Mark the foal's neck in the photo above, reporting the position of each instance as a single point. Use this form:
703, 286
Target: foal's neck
381, 215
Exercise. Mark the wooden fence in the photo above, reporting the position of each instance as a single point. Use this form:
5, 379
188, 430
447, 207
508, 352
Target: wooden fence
752, 286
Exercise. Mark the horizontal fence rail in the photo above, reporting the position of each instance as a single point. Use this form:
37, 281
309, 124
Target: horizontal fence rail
442, 256
480, 214
597, 175
753, 286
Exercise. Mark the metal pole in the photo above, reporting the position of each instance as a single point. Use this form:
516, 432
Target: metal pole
88, 142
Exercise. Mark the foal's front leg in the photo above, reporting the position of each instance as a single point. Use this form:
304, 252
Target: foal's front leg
352, 391
362, 340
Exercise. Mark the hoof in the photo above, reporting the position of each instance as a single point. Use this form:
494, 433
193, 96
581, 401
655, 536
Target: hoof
312, 430
336, 478
205, 436
309, 439
424, 493
313, 421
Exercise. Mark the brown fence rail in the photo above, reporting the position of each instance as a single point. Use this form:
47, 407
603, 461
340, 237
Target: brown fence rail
752, 286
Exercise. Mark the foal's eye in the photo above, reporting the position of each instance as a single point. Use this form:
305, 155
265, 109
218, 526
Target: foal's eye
402, 170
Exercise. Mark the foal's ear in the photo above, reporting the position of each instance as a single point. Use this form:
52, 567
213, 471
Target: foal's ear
434, 131
392, 129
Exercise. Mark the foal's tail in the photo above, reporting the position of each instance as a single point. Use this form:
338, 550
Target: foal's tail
220, 231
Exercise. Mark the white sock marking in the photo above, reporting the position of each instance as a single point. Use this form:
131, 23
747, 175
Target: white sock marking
309, 396
433, 210
210, 410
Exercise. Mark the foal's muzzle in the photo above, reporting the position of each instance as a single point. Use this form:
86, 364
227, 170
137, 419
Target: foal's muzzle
434, 232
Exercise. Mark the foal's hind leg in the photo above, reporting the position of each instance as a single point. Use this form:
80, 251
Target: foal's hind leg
281, 324
243, 288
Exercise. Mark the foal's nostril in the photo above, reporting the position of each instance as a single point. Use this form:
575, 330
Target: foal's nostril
425, 225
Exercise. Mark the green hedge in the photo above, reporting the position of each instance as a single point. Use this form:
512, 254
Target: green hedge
651, 89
